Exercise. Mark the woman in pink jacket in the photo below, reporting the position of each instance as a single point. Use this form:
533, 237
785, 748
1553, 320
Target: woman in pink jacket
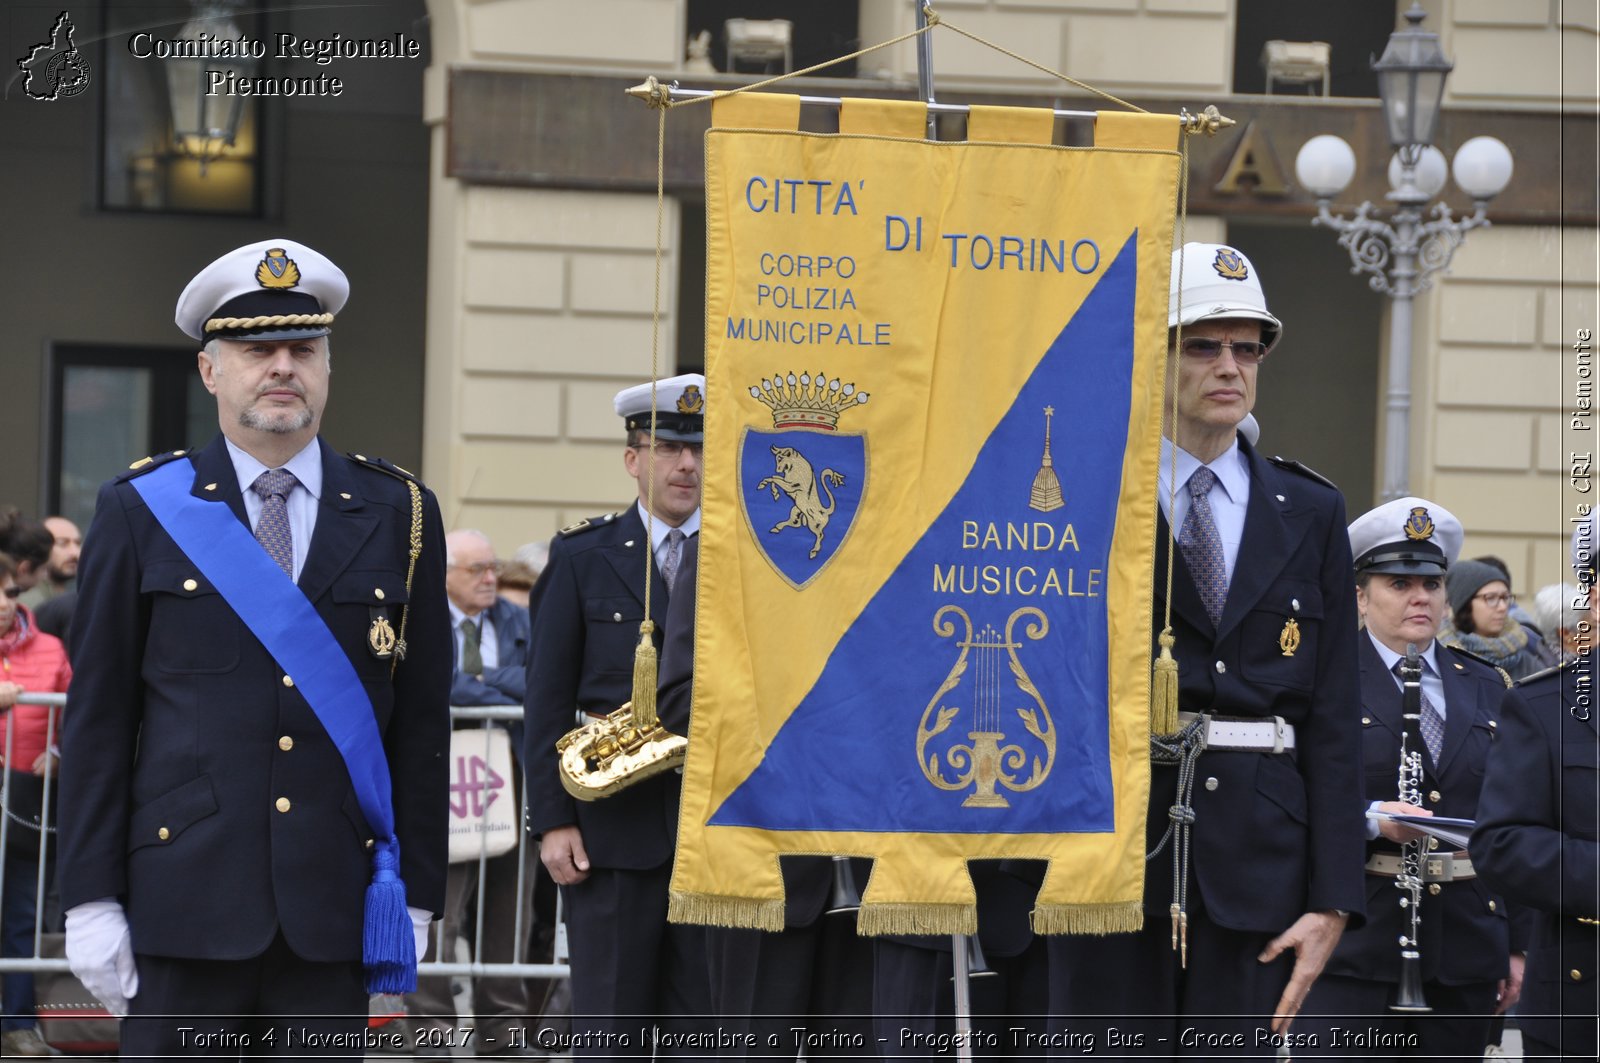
30, 662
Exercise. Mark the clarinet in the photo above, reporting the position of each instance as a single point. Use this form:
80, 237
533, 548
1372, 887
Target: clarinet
1408, 996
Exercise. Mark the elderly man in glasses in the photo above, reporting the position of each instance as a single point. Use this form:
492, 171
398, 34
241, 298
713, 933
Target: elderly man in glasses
491, 654
632, 971
1254, 819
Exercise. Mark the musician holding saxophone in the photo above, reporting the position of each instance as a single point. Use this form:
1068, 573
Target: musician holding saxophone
632, 972
1435, 962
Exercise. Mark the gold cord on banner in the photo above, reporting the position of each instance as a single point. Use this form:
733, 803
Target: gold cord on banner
1164, 674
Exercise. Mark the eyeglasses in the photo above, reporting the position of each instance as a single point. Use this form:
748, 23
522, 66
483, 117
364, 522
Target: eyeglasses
1495, 601
1245, 352
477, 571
13, 591
672, 448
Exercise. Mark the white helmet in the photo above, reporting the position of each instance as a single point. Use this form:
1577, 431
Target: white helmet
1218, 282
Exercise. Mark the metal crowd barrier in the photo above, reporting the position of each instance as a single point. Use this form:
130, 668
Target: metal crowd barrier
44, 893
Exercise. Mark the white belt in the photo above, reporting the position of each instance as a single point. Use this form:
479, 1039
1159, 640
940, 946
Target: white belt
1270, 735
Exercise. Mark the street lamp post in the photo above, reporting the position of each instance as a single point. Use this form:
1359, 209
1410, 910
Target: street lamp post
1402, 254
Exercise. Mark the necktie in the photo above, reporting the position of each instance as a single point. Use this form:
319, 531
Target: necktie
1202, 546
672, 557
471, 651
272, 527
1432, 723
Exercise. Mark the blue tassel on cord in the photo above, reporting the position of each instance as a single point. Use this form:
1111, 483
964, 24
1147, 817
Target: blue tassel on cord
388, 945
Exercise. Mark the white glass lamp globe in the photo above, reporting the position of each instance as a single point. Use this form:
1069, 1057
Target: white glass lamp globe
1482, 167
1325, 165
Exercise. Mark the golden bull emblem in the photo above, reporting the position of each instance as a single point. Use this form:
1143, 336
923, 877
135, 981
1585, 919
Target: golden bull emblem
1001, 696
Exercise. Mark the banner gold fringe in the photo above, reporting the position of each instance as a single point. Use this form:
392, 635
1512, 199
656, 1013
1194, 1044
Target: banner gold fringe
737, 912
906, 918
1124, 918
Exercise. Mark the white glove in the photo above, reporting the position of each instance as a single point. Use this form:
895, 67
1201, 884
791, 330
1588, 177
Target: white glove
100, 953
421, 920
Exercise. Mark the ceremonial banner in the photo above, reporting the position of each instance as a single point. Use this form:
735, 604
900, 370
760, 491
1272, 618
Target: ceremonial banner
932, 437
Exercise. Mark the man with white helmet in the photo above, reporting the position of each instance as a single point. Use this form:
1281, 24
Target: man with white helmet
1536, 840
1254, 820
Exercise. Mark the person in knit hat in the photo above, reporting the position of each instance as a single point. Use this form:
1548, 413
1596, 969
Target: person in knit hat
1480, 620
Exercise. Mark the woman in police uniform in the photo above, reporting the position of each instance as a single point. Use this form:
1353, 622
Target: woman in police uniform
1402, 551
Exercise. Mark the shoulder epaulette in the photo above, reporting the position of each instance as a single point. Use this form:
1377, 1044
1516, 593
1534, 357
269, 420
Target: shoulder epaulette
587, 524
385, 466
1505, 676
1547, 673
154, 461
1304, 470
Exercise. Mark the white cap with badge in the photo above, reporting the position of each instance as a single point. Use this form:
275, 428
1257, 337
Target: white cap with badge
680, 403
1406, 536
268, 290
1218, 283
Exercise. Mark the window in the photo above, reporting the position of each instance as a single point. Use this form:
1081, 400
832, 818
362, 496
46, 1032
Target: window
112, 405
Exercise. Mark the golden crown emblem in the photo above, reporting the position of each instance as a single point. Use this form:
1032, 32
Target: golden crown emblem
1419, 525
807, 401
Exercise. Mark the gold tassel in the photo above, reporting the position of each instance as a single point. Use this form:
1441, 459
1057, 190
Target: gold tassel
644, 678
906, 918
1164, 689
708, 909
1126, 917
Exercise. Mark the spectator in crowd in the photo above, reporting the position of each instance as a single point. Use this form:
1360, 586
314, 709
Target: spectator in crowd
518, 575
1561, 611
30, 662
491, 649
28, 543
1480, 621
62, 567
1516, 610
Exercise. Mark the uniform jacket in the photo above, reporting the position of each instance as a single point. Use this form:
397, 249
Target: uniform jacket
1465, 936
1274, 835
184, 735
1536, 843
586, 610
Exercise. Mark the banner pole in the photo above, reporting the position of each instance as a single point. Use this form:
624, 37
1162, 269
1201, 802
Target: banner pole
925, 68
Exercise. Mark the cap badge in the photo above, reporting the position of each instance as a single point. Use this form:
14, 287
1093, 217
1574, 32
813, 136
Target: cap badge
277, 270
1419, 526
691, 401
1229, 264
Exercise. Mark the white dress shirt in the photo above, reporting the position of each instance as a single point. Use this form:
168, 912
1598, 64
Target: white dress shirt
1229, 496
488, 645
303, 498
659, 529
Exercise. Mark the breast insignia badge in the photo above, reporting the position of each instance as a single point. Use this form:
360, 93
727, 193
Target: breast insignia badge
1289, 637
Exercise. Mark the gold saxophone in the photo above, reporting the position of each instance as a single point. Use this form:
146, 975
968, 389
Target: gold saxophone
615, 751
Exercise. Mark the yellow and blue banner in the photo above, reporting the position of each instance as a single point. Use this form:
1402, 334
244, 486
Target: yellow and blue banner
923, 624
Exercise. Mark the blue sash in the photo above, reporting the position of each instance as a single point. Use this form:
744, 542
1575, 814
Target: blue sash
280, 616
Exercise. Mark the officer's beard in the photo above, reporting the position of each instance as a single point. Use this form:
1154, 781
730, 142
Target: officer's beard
280, 423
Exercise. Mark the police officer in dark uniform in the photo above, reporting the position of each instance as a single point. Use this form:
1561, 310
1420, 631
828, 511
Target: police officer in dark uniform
631, 969
1536, 839
254, 783
1465, 969
811, 981
1250, 888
